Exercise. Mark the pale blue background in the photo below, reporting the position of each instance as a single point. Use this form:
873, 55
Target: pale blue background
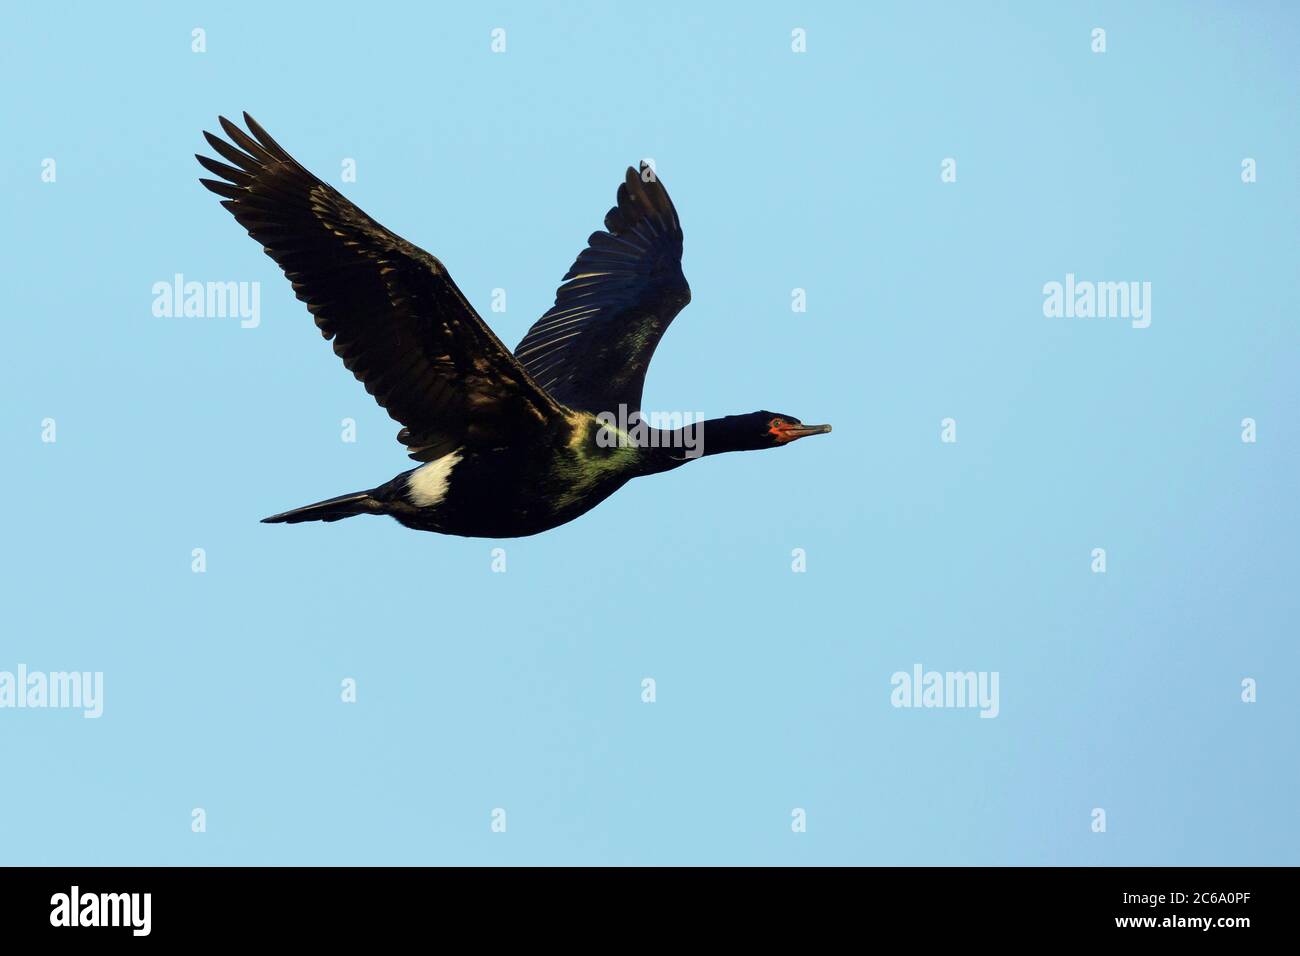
522, 690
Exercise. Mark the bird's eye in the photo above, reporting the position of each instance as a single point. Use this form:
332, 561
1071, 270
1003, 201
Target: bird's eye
775, 425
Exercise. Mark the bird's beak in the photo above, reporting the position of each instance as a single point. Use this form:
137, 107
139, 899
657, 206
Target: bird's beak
785, 433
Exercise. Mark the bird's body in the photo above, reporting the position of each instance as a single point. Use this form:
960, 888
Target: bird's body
512, 491
509, 444
518, 489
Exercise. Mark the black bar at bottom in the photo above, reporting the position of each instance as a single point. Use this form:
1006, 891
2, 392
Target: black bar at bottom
88, 905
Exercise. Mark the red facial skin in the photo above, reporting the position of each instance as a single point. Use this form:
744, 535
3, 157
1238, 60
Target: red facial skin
780, 428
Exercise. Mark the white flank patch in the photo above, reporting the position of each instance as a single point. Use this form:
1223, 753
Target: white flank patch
428, 484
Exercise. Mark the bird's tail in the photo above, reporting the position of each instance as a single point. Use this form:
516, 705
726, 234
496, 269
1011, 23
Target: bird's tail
332, 509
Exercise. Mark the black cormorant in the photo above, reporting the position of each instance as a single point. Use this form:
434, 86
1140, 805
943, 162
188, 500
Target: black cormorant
510, 444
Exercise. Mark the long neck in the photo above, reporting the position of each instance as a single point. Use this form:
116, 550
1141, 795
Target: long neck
668, 448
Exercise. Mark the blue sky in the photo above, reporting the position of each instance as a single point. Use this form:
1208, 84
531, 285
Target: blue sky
522, 690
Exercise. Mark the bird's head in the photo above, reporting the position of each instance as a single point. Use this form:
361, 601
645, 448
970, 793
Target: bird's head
759, 430
778, 429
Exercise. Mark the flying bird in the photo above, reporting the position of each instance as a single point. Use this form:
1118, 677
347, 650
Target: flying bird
510, 444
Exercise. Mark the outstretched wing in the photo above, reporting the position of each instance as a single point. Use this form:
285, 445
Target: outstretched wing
592, 349
393, 314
